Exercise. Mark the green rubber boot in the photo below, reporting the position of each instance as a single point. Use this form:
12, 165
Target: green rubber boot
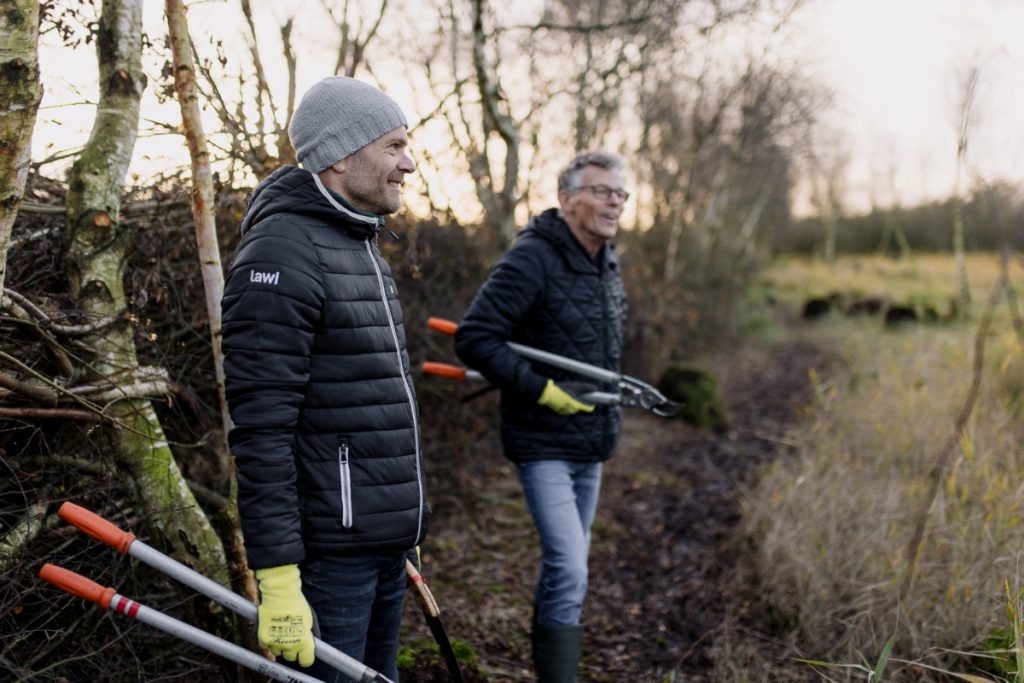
556, 652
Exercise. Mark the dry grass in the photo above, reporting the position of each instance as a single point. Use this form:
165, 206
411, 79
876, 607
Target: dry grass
834, 521
927, 276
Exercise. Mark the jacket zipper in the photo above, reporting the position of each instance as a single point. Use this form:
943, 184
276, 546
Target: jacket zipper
346, 486
405, 384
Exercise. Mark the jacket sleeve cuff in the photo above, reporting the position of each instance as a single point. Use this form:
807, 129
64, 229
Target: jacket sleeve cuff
534, 386
264, 557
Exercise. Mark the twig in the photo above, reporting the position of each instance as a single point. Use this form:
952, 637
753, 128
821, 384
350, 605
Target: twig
53, 413
141, 390
938, 471
84, 329
24, 310
25, 303
142, 206
35, 235
45, 380
28, 313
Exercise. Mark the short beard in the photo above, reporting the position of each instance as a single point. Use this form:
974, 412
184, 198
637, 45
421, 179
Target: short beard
362, 191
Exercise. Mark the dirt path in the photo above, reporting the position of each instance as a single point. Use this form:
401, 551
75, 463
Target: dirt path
672, 587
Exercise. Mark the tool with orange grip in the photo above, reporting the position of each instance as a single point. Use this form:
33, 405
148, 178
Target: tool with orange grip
108, 598
450, 371
125, 543
632, 392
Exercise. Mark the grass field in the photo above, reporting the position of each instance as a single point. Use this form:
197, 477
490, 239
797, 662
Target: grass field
929, 276
834, 520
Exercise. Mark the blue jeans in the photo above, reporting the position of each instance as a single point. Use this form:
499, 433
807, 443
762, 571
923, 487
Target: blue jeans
562, 497
358, 606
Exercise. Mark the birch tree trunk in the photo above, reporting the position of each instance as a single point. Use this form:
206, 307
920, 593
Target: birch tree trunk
97, 244
19, 101
500, 203
213, 273
966, 123
202, 194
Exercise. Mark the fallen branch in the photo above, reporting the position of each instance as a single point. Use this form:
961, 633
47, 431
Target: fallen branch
140, 390
84, 329
38, 234
142, 206
21, 534
33, 391
53, 414
127, 381
24, 302
22, 309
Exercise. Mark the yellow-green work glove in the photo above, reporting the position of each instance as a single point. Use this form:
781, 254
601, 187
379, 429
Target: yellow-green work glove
561, 401
284, 620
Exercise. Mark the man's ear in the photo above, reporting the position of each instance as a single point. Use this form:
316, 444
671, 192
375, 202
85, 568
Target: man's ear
339, 166
563, 199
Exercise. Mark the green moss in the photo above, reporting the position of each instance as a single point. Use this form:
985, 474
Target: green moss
697, 390
406, 657
409, 656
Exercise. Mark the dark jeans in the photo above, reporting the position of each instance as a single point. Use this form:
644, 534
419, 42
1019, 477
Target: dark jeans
358, 605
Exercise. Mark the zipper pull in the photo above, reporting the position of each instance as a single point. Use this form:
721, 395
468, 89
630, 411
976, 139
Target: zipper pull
343, 453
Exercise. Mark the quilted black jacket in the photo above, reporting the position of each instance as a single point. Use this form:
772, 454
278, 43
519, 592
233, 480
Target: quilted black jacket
326, 434
546, 292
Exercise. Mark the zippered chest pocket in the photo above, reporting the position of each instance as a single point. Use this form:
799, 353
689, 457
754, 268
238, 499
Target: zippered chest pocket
345, 472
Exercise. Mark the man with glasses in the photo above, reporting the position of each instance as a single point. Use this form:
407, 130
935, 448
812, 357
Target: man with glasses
558, 289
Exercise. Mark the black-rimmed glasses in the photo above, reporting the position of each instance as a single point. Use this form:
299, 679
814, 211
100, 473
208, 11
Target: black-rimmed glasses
603, 192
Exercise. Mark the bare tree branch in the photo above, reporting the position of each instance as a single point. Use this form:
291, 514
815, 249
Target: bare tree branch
945, 456
53, 414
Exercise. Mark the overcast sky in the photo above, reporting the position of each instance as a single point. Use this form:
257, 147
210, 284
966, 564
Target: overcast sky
893, 65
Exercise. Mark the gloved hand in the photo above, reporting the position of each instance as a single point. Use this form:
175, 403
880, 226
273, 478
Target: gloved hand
561, 401
284, 622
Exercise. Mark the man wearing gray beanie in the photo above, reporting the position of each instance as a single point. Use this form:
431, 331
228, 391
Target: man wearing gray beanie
326, 434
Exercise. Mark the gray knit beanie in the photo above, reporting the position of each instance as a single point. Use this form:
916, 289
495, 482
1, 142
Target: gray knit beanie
339, 116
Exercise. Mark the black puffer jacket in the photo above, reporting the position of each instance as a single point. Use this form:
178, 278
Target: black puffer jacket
547, 292
326, 428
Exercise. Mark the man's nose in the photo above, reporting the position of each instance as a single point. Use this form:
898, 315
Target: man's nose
406, 164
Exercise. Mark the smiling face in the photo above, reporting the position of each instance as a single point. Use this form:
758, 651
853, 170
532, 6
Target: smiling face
371, 179
593, 220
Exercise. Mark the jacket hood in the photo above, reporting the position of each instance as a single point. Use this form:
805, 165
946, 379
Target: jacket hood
550, 226
297, 191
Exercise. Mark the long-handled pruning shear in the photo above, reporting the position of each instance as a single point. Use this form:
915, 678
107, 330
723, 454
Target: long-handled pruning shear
632, 393
107, 598
125, 543
433, 615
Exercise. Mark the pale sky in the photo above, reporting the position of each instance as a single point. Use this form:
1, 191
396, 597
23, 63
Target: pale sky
893, 65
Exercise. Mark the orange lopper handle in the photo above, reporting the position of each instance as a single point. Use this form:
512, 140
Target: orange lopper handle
444, 370
442, 325
76, 584
96, 526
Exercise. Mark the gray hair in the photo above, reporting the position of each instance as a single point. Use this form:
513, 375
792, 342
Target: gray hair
569, 177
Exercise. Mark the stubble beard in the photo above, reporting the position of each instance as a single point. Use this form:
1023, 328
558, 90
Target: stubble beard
367, 195
367, 191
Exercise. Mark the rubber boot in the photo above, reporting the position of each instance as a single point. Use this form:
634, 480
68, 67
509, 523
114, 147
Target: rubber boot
556, 652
